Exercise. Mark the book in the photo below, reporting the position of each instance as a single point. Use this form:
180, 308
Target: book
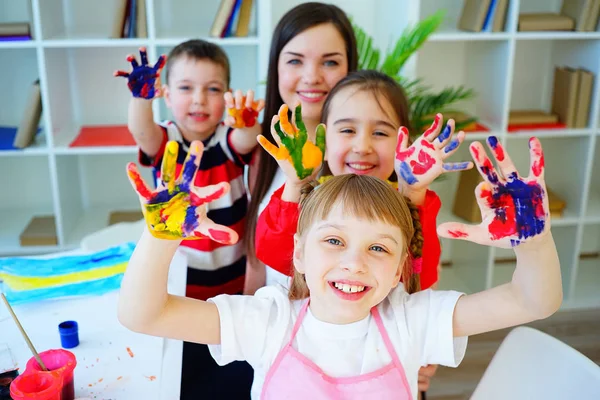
14, 38
103, 135
473, 15
119, 21
231, 20
531, 127
578, 10
7, 137
592, 20
564, 96
545, 22
142, 23
41, 231
500, 16
244, 18
489, 17
30, 119
584, 98
131, 28
524, 117
220, 21
15, 29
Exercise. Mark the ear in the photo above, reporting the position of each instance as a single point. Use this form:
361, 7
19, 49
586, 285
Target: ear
399, 270
167, 95
297, 257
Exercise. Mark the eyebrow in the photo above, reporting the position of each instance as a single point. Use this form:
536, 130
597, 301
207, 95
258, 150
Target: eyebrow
207, 83
335, 226
354, 120
324, 55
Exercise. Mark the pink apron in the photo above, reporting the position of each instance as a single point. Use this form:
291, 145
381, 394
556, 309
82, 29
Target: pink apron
293, 376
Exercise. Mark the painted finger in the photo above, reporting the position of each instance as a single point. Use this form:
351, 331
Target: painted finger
457, 166
274, 151
483, 163
203, 195
260, 105
137, 182
216, 232
276, 133
229, 102
143, 56
457, 230
169, 165
160, 63
536, 157
133, 61
282, 138
191, 164
434, 129
298, 122
121, 73
284, 121
249, 99
451, 147
402, 153
320, 137
507, 168
238, 97
446, 134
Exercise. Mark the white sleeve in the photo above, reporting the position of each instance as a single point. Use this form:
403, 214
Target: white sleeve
253, 328
429, 316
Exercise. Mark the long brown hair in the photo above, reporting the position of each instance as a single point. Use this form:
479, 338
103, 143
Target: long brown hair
294, 22
383, 88
385, 204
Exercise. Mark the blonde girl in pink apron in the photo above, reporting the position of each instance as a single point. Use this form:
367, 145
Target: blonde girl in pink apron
346, 328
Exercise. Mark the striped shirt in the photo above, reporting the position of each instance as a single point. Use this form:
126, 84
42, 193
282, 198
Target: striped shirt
213, 268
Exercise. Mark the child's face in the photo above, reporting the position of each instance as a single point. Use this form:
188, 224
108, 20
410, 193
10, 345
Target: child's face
195, 96
309, 66
350, 265
361, 134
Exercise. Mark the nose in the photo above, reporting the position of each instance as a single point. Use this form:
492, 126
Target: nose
199, 96
354, 262
361, 143
312, 74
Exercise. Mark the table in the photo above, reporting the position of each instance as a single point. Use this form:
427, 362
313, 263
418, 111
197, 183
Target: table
112, 361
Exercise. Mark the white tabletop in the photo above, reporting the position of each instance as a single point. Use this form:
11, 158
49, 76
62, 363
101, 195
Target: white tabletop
112, 361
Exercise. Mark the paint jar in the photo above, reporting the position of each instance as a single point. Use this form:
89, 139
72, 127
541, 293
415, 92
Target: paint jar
36, 385
69, 335
60, 363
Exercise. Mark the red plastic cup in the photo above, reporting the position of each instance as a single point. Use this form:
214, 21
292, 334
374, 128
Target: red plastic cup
36, 385
61, 363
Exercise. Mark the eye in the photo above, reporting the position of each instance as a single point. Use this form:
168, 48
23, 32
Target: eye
215, 89
347, 130
334, 241
331, 63
184, 87
378, 249
380, 133
294, 61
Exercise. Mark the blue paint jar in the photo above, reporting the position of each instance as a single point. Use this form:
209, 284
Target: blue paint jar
69, 334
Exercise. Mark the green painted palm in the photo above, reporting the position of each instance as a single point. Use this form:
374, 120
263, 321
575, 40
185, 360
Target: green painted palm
424, 102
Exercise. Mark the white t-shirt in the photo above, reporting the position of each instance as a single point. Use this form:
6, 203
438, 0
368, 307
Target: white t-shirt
256, 328
274, 277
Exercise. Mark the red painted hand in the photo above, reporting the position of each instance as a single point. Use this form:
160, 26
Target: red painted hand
421, 163
513, 209
177, 208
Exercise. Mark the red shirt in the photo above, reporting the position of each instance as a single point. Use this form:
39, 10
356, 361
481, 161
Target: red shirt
277, 224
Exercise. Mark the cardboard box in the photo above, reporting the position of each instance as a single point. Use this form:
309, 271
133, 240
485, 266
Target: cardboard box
545, 22
41, 231
124, 216
534, 117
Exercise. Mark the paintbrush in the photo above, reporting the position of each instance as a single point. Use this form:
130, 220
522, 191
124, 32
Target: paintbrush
14, 316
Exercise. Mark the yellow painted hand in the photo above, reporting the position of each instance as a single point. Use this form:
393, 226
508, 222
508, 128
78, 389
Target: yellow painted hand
177, 208
293, 143
242, 110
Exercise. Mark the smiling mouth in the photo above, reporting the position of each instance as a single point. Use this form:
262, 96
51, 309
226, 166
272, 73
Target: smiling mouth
360, 167
346, 288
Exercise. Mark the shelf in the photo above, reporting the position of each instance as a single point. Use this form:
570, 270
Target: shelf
230, 41
39, 147
19, 44
557, 35
551, 133
68, 42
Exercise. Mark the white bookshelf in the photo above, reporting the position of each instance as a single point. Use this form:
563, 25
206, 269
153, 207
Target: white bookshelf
74, 57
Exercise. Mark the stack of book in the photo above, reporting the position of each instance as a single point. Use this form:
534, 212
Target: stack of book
130, 21
483, 15
232, 19
574, 15
12, 31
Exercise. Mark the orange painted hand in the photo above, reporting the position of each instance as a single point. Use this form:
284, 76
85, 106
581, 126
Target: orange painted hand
242, 110
177, 209
294, 147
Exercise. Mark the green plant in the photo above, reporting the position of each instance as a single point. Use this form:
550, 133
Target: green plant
424, 102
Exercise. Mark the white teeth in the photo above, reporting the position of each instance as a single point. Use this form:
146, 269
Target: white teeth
348, 288
361, 167
311, 94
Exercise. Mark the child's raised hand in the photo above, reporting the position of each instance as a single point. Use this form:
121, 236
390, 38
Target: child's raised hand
242, 110
297, 154
422, 162
177, 208
143, 80
514, 210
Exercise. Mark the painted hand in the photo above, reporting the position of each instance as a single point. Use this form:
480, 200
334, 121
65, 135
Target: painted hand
143, 80
296, 153
514, 210
422, 162
242, 110
177, 209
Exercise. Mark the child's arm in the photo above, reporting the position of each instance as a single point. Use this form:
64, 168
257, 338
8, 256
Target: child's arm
144, 83
515, 214
242, 114
174, 211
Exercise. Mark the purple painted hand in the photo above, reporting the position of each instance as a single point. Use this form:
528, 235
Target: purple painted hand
177, 209
143, 80
514, 210
421, 163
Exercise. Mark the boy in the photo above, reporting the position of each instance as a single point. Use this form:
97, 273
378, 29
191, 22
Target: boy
196, 91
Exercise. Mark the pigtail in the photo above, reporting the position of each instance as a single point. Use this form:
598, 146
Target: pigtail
411, 278
307, 189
